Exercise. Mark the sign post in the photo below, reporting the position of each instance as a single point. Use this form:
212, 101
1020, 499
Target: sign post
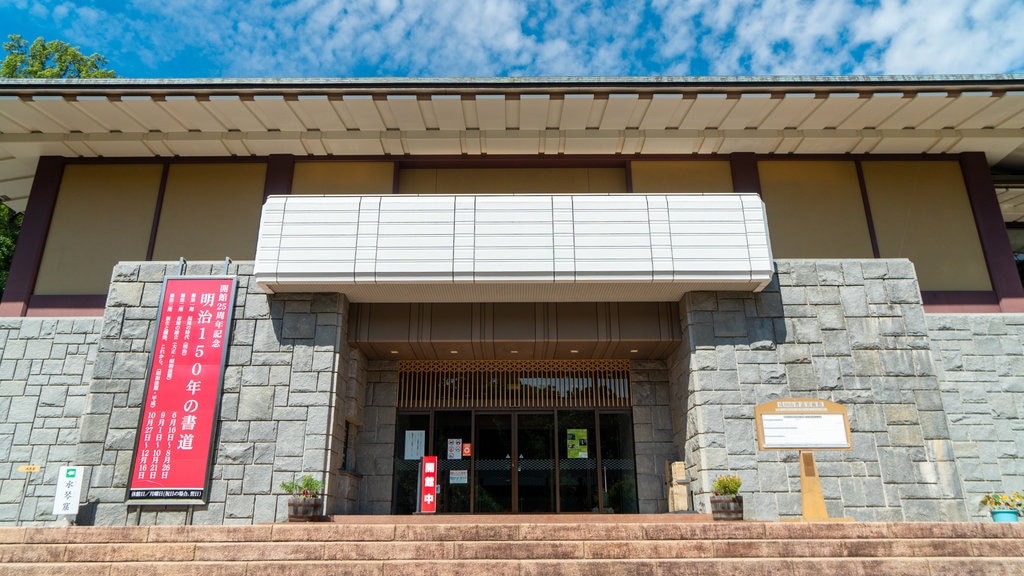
805, 424
69, 492
28, 470
427, 500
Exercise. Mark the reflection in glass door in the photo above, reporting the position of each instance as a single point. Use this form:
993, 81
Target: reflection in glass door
535, 464
493, 464
514, 465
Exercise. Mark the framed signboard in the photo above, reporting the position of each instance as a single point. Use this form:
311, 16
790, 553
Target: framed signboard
174, 445
802, 424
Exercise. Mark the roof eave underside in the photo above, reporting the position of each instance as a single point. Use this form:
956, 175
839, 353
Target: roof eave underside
629, 117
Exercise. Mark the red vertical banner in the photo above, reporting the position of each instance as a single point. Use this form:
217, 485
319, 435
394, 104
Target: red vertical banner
174, 446
428, 485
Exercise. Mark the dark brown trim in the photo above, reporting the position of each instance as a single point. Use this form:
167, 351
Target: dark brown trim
512, 160
280, 174
949, 301
395, 178
995, 241
745, 176
157, 210
629, 177
67, 305
175, 160
28, 253
867, 210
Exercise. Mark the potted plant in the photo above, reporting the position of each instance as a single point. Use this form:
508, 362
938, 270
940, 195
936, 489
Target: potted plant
305, 502
726, 503
1004, 507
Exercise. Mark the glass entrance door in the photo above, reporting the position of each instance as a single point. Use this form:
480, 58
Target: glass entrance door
535, 463
514, 465
528, 461
492, 464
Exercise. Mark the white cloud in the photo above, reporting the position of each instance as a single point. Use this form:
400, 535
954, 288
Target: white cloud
278, 38
953, 36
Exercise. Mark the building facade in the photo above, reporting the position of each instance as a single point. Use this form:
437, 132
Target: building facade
558, 287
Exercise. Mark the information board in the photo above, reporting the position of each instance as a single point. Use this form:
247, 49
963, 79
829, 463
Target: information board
171, 464
802, 424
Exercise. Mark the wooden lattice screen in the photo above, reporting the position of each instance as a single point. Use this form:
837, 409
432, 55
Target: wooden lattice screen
513, 384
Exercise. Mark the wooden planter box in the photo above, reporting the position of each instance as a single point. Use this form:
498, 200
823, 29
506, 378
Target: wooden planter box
305, 509
727, 507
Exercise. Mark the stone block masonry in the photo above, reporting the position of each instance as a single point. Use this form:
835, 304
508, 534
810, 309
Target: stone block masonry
935, 401
45, 367
980, 364
279, 397
71, 390
849, 331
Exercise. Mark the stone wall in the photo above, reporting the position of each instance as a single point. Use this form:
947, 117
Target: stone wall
278, 398
849, 331
980, 360
44, 365
935, 401
375, 452
652, 433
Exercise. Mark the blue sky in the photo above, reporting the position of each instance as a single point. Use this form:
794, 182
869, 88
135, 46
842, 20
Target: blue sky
460, 38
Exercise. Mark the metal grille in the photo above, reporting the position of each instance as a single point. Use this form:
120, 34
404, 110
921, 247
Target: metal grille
513, 384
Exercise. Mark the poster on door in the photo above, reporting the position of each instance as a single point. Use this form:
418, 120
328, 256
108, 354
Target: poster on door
415, 444
455, 448
576, 442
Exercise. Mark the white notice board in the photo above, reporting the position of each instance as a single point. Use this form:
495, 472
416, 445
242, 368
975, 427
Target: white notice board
804, 431
802, 424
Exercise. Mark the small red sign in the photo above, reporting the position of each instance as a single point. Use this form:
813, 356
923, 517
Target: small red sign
173, 447
428, 485
467, 449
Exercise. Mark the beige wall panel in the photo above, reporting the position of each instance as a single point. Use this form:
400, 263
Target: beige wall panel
513, 181
690, 177
343, 178
211, 211
417, 181
921, 211
103, 215
607, 181
814, 209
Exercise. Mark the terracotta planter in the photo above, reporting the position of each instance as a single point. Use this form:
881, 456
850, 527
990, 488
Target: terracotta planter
727, 507
304, 509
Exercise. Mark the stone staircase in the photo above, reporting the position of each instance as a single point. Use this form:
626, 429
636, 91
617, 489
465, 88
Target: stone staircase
519, 545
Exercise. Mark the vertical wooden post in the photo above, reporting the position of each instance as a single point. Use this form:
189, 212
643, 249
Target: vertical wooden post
812, 497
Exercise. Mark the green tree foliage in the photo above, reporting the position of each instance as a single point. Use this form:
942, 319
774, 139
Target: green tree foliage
41, 59
53, 59
10, 226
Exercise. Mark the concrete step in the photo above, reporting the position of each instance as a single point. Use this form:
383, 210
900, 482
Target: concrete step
527, 546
